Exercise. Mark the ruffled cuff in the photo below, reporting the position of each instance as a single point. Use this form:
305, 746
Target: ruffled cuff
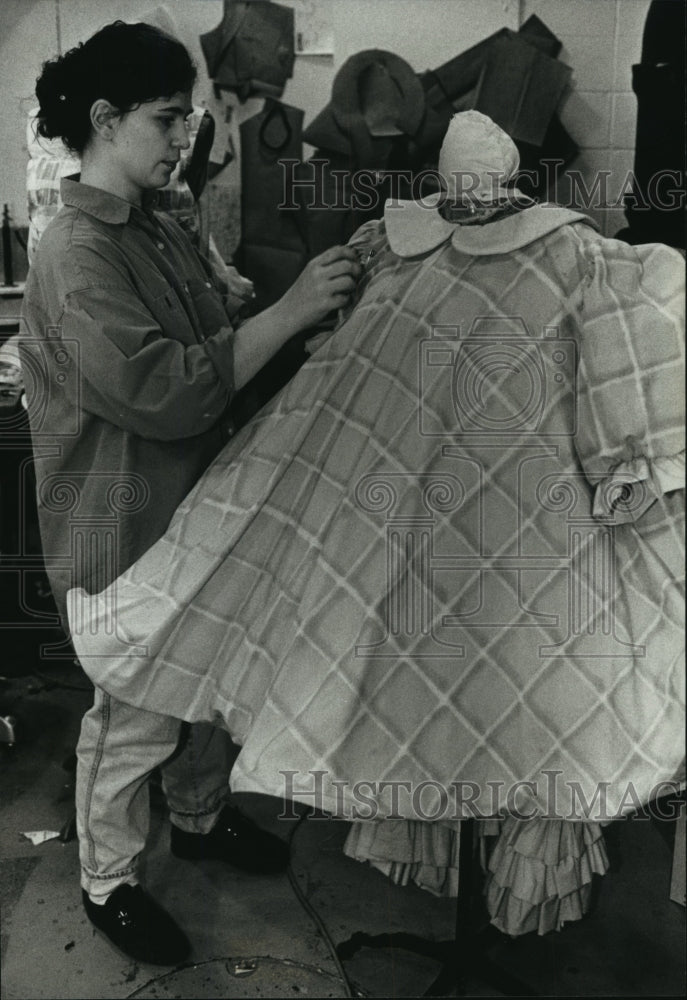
633, 486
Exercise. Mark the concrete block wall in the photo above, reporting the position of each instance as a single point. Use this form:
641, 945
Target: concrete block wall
601, 39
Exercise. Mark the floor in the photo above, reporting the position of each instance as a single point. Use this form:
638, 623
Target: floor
277, 936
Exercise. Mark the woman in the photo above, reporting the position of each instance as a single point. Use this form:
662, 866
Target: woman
134, 358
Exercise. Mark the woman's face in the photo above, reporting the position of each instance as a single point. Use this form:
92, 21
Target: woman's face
147, 143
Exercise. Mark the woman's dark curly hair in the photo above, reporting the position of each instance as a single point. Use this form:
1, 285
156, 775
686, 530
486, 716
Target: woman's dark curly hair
126, 64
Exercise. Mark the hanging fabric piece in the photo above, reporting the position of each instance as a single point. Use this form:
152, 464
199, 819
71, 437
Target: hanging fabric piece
536, 33
438, 114
331, 219
196, 172
251, 51
273, 249
519, 89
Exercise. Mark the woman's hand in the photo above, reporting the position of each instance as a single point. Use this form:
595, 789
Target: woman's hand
324, 285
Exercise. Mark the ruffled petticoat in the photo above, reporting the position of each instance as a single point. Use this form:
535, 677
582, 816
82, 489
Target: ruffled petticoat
538, 873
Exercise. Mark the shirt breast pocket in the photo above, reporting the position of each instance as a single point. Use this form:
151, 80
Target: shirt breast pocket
165, 305
174, 320
207, 305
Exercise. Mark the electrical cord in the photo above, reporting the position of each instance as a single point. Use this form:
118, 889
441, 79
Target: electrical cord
351, 992
317, 920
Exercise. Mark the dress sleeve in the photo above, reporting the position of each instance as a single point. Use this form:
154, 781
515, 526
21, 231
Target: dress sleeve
630, 434
122, 368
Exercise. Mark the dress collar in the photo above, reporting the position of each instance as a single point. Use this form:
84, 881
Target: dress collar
415, 228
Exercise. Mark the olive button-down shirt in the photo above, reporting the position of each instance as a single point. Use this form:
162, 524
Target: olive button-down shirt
127, 351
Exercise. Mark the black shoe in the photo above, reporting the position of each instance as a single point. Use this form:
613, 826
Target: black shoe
134, 923
236, 840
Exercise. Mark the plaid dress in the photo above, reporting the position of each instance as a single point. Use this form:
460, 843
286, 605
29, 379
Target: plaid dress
447, 556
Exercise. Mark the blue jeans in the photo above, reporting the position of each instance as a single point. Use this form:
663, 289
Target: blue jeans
118, 749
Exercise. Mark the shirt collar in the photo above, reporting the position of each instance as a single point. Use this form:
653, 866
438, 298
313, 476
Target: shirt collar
98, 203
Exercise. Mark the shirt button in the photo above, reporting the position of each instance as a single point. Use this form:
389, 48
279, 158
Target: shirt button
161, 246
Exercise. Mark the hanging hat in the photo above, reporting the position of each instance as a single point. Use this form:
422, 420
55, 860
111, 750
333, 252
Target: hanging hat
380, 88
477, 164
376, 97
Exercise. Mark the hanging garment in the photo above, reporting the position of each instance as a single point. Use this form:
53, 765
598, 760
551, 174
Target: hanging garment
197, 165
520, 88
330, 214
251, 51
340, 198
525, 106
438, 113
370, 126
537, 33
273, 247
